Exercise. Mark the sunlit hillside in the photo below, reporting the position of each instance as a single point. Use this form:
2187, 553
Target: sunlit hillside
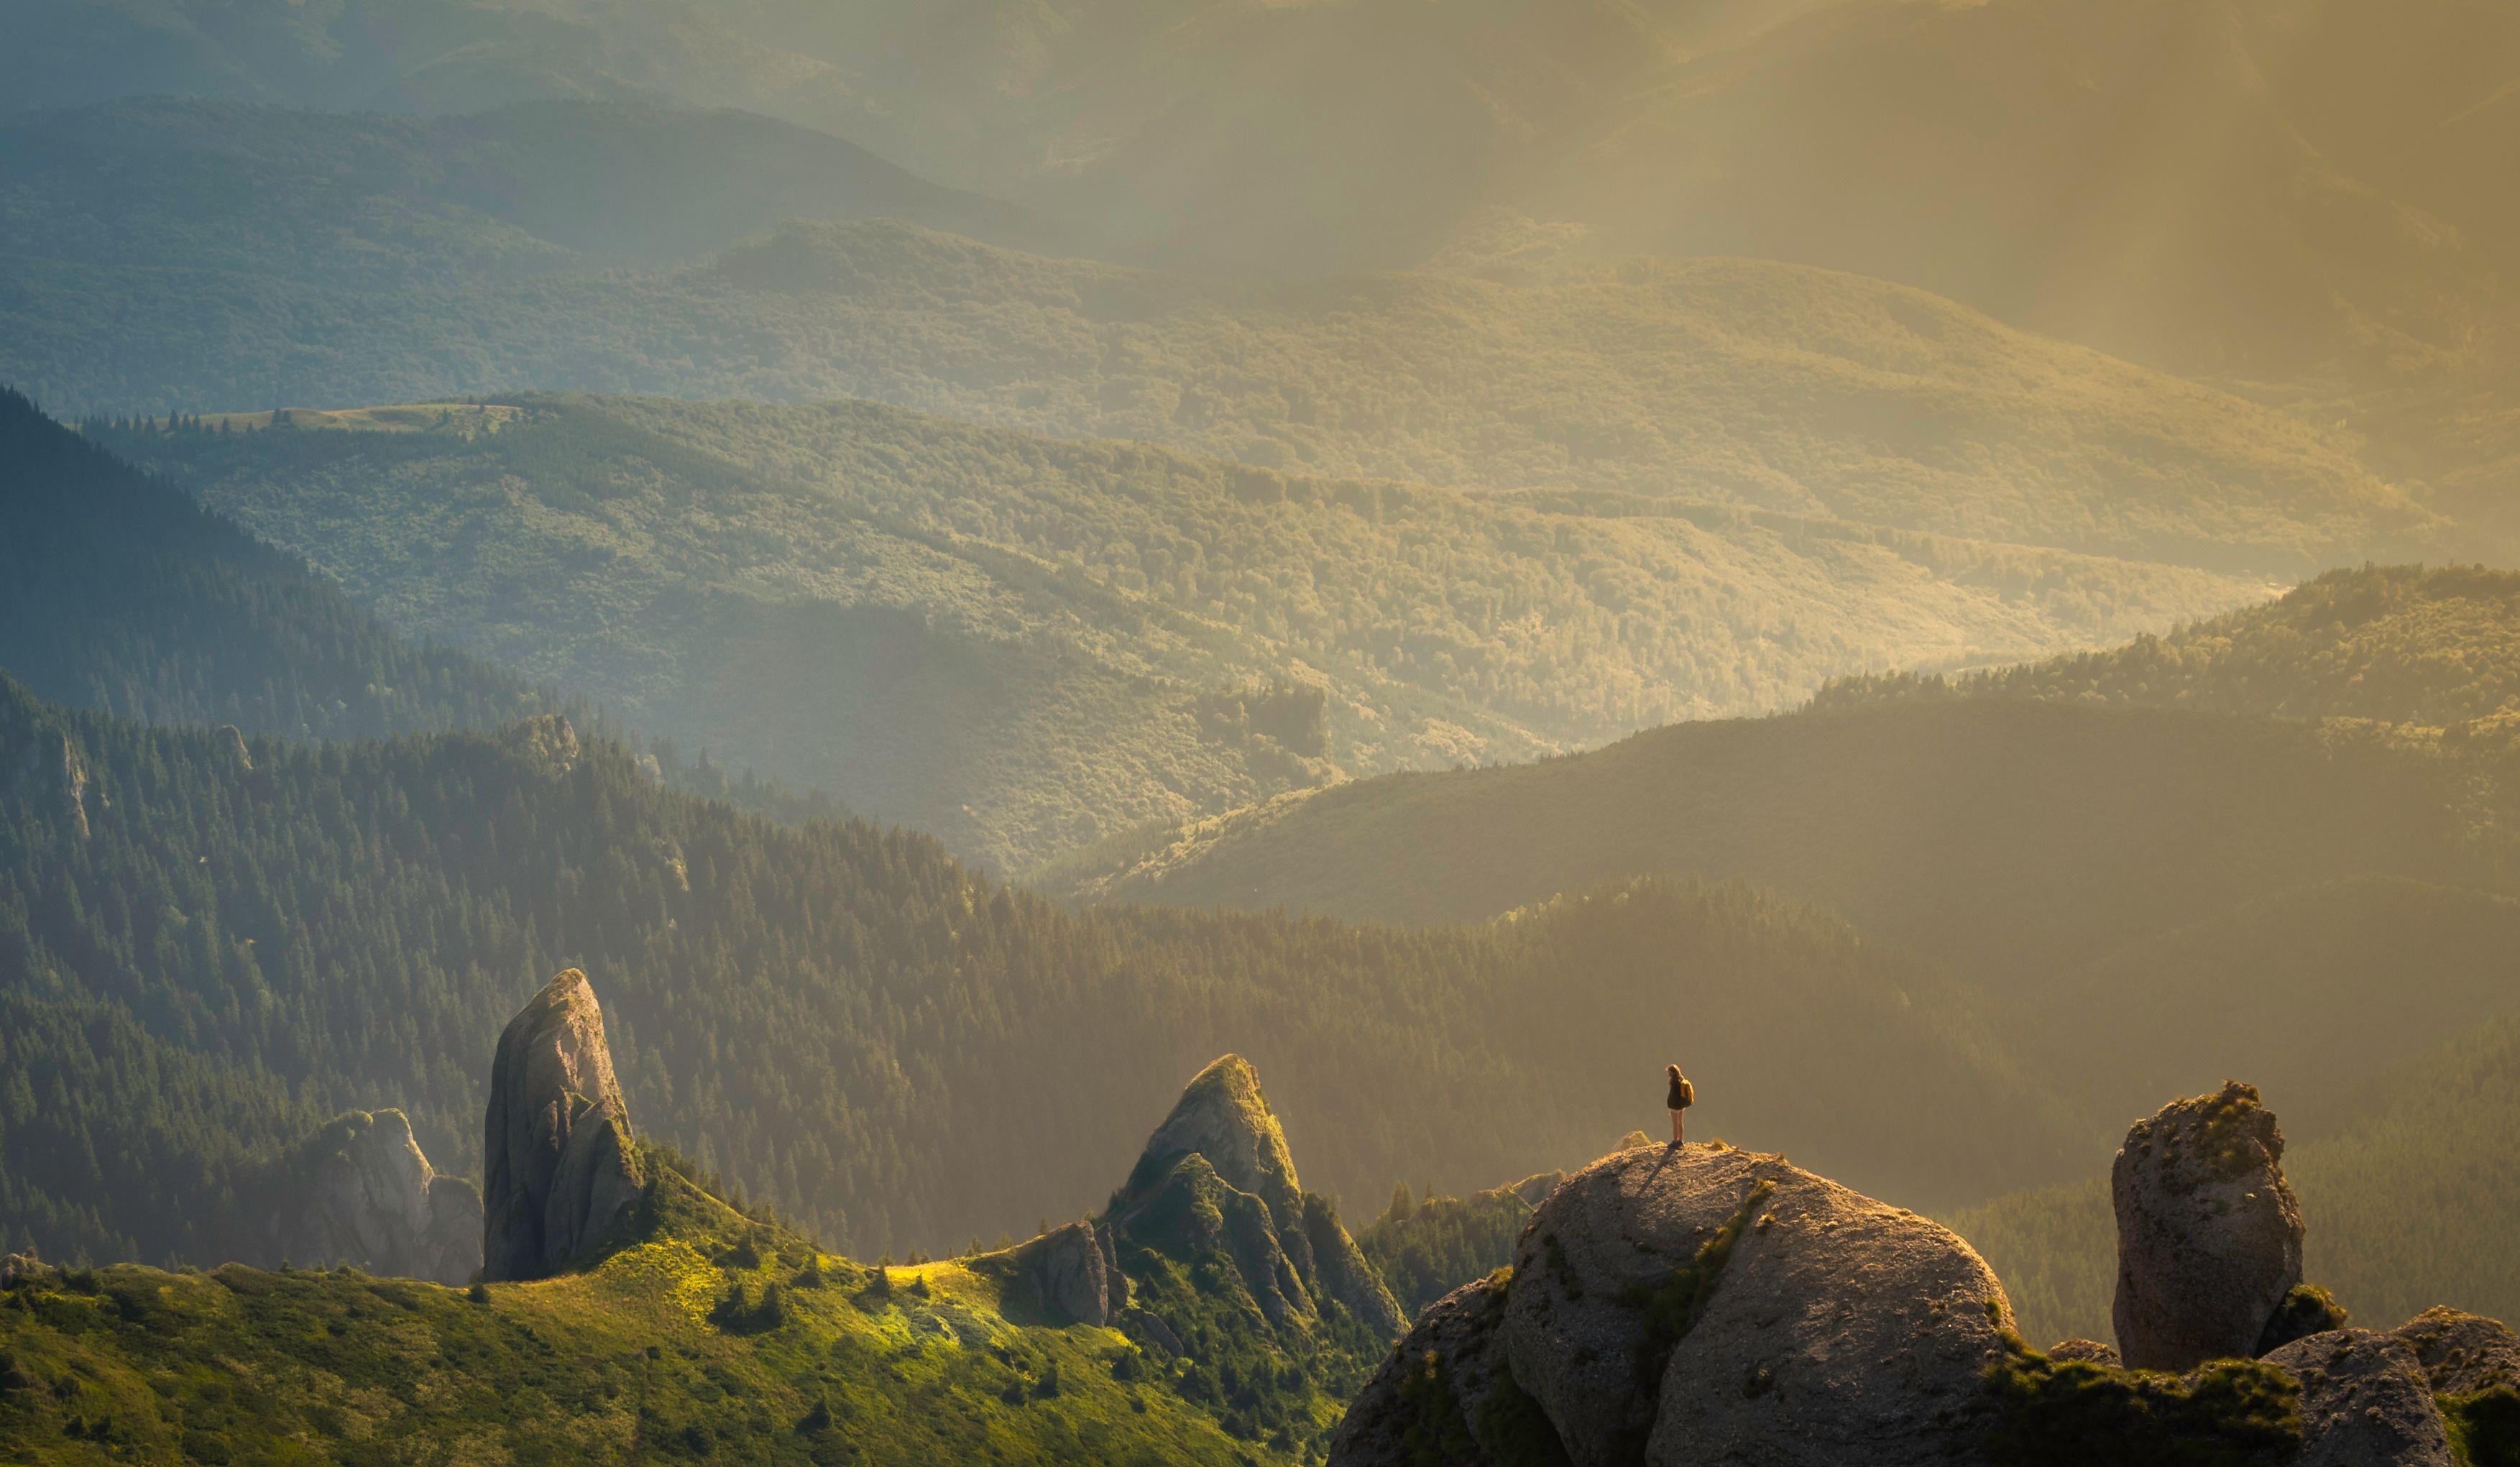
1027, 645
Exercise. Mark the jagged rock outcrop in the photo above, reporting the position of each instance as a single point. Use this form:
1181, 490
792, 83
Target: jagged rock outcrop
2462, 1354
1675, 1307
559, 1174
361, 1192
1216, 1177
2365, 1403
2209, 1235
1069, 1273
232, 750
48, 773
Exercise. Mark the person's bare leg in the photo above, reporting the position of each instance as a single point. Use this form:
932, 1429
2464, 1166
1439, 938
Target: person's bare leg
1675, 1128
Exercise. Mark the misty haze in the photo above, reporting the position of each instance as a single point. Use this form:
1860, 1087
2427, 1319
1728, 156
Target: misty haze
1260, 732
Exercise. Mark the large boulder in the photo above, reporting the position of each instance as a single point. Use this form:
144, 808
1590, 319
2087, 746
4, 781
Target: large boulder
1067, 1274
2365, 1403
1217, 1175
1703, 1304
1436, 1397
2209, 1235
560, 1173
2462, 1354
360, 1191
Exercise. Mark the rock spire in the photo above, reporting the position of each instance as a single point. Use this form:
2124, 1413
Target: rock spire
559, 1169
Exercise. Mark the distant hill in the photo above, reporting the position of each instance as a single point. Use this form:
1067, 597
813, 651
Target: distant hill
213, 255
2306, 995
117, 592
2399, 644
836, 1017
2409, 1205
1027, 645
390, 203
2346, 213
2019, 839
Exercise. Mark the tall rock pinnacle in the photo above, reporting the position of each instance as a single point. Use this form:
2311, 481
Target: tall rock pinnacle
556, 1158
2209, 1236
1216, 1175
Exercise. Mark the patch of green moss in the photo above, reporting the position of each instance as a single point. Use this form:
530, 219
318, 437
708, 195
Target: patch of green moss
2073, 1414
2229, 1150
2308, 1309
2484, 1428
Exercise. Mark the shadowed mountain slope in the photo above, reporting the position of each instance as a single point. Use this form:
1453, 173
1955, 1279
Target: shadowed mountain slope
2017, 839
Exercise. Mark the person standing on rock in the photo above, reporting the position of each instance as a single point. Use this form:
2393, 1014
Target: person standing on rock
1683, 1096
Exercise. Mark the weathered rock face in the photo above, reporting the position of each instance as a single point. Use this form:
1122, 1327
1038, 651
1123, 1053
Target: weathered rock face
1440, 1388
49, 773
559, 1171
2365, 1403
1707, 1305
1217, 1175
2209, 1236
232, 749
2462, 1354
1069, 1274
361, 1192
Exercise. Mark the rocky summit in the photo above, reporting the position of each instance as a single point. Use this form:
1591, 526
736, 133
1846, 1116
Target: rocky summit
559, 1171
1701, 1303
2209, 1236
1216, 1178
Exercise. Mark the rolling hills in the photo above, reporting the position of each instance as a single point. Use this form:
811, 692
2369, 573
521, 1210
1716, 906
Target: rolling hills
337, 262
1026, 645
2343, 217
2017, 838
2429, 648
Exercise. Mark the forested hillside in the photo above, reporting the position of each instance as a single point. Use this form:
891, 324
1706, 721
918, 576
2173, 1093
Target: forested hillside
2020, 839
2410, 1205
118, 592
836, 1017
1025, 644
2433, 647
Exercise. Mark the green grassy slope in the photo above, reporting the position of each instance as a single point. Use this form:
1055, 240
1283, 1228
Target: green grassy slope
2017, 839
1024, 645
835, 1015
2410, 1205
2399, 644
637, 1360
